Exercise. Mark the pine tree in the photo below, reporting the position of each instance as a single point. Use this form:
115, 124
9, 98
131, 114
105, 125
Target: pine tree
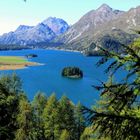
64, 135
24, 121
8, 106
12, 83
117, 115
67, 120
38, 105
80, 120
51, 119
87, 134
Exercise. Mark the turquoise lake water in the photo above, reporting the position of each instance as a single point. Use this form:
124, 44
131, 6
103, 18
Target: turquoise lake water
47, 78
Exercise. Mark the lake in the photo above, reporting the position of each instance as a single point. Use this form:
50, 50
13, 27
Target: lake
47, 78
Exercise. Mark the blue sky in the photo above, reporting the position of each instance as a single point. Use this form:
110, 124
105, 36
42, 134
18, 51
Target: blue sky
16, 12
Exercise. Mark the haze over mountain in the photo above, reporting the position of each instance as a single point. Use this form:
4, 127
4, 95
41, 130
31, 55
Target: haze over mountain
43, 32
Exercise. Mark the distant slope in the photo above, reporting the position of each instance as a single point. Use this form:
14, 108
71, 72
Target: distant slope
57, 25
103, 27
43, 32
99, 25
91, 20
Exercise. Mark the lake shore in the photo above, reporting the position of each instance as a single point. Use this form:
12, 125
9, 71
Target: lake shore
17, 66
65, 50
14, 63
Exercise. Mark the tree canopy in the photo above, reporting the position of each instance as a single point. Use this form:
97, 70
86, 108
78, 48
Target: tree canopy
117, 115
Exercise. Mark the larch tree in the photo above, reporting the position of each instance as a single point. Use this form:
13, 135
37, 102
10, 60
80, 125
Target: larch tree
38, 105
117, 115
24, 121
80, 120
51, 119
65, 135
67, 120
10, 87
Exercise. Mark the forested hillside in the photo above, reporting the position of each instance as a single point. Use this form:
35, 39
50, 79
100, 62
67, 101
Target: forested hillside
43, 118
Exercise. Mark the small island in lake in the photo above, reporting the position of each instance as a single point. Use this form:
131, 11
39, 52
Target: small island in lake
72, 72
31, 55
14, 62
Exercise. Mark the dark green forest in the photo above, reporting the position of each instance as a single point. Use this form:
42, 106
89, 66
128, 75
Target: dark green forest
43, 118
116, 116
73, 72
13, 47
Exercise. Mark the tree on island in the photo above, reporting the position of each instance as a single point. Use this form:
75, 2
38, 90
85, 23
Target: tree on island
31, 55
72, 72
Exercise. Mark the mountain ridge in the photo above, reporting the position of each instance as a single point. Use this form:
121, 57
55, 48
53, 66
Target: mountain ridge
104, 21
25, 35
101, 27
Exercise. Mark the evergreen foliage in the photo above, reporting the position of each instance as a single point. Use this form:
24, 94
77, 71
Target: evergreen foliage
80, 120
72, 72
8, 105
42, 119
117, 114
67, 121
51, 119
65, 135
38, 104
24, 121
115, 117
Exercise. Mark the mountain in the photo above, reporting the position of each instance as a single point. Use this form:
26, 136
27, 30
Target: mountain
23, 28
101, 27
58, 26
42, 32
90, 21
105, 27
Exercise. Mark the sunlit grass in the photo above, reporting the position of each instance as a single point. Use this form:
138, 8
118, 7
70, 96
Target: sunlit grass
12, 60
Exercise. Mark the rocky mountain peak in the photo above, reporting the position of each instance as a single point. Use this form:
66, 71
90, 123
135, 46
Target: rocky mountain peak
103, 26
42, 32
57, 25
90, 22
104, 7
23, 28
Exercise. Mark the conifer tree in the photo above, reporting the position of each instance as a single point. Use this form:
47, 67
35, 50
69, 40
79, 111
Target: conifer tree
87, 134
24, 121
67, 120
12, 83
117, 115
80, 120
51, 119
38, 105
8, 106
64, 135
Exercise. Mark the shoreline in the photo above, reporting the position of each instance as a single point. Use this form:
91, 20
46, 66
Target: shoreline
18, 66
65, 50
15, 63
